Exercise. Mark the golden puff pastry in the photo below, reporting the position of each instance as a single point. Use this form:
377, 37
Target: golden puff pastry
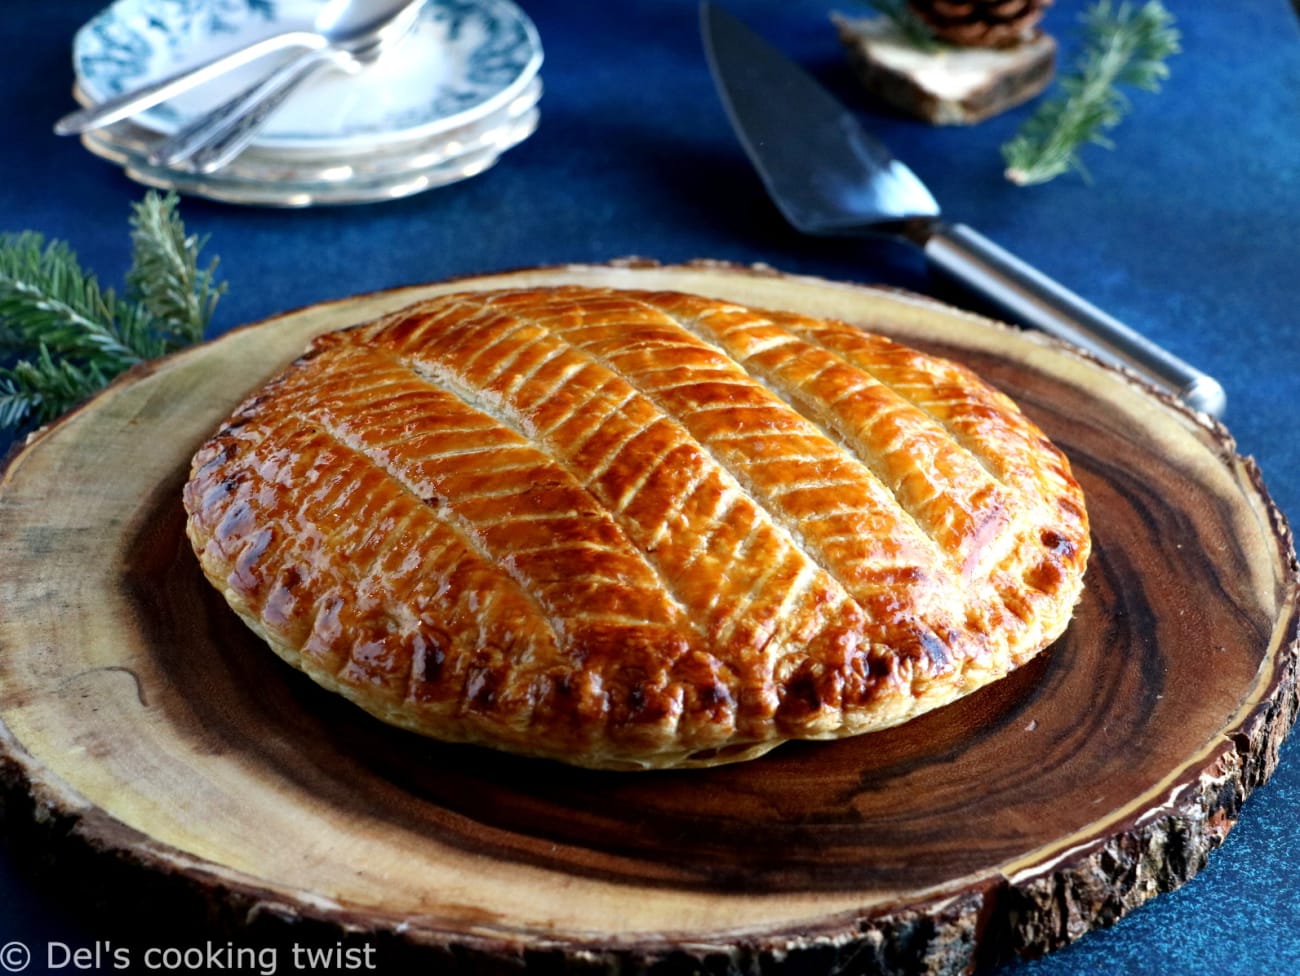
636, 530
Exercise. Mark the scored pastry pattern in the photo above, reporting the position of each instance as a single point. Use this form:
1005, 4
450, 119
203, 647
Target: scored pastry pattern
637, 529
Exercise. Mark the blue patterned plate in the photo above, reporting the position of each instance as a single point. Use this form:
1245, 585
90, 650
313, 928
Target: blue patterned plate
465, 59
281, 178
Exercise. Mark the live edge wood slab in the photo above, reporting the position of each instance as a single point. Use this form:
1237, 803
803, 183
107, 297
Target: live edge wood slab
147, 736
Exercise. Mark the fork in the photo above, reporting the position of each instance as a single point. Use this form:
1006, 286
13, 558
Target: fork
218, 136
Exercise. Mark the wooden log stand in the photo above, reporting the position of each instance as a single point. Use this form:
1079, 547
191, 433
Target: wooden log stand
147, 739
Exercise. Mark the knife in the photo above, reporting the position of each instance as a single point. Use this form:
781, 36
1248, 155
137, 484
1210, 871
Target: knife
829, 176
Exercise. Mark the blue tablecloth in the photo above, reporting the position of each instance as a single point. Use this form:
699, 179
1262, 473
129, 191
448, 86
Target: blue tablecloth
1187, 230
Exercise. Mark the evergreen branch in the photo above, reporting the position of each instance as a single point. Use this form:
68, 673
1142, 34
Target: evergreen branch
69, 337
165, 279
46, 299
1124, 46
914, 30
40, 389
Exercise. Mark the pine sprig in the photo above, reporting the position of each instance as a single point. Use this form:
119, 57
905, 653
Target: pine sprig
46, 299
64, 337
165, 280
1124, 46
913, 29
42, 388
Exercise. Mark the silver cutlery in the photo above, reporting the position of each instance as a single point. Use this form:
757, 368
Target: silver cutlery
137, 100
215, 138
350, 26
829, 176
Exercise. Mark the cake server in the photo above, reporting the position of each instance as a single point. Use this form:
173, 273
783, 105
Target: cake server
829, 176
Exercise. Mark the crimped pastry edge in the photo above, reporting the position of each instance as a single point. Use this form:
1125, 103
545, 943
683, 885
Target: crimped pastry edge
935, 690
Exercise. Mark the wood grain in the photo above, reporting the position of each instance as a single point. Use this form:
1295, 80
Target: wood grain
141, 720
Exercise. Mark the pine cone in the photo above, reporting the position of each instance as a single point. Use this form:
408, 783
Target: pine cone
981, 23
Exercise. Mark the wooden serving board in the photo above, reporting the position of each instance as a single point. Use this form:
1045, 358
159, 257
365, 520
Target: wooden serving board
142, 723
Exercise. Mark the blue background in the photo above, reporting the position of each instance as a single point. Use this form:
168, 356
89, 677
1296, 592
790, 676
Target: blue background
1187, 231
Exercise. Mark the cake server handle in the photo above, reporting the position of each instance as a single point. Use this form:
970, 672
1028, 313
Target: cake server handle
1025, 295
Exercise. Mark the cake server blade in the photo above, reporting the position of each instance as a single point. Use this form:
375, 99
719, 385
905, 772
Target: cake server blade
829, 176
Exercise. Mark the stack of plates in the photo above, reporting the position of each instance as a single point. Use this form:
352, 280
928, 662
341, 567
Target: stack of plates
441, 106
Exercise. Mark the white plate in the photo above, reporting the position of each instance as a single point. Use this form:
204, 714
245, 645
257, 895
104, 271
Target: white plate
364, 187
464, 60
126, 142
